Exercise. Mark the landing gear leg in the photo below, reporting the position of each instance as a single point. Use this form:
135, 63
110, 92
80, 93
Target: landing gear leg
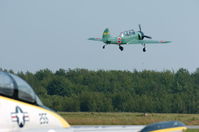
144, 49
121, 48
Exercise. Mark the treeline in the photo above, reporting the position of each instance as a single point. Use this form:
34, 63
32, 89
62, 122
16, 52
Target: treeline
117, 91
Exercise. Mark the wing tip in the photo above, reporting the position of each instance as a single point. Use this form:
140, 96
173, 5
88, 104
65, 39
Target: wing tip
162, 41
95, 39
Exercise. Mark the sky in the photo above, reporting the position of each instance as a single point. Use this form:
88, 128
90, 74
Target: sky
53, 34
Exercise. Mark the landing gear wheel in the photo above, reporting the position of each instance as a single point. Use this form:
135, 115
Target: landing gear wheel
121, 48
103, 47
144, 49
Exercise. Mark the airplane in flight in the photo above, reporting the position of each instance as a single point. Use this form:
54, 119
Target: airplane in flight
127, 37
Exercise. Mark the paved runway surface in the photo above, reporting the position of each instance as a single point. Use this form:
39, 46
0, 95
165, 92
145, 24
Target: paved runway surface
87, 128
116, 128
105, 128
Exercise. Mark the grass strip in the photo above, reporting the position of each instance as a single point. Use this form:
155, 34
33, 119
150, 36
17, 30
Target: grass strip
125, 118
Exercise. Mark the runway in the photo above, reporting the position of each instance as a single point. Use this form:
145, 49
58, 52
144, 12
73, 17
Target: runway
107, 128
113, 128
90, 128
93, 128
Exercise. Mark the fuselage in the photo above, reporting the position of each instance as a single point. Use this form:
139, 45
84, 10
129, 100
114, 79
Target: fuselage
17, 115
124, 38
21, 109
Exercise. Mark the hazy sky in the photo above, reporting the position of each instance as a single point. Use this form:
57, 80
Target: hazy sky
38, 34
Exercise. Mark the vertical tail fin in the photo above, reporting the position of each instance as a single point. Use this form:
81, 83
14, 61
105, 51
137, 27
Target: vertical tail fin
106, 35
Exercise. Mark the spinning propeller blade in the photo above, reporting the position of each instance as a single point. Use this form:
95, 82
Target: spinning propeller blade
143, 36
140, 28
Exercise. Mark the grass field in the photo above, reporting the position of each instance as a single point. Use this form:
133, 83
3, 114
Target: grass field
193, 130
98, 118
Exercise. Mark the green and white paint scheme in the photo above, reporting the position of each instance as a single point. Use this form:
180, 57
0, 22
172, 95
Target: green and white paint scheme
127, 37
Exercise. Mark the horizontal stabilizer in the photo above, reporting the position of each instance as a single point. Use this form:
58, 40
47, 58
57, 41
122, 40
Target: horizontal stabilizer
95, 39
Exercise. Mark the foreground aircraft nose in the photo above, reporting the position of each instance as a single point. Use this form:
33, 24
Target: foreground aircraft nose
21, 109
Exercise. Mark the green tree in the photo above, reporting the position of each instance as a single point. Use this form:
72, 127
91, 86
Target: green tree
60, 86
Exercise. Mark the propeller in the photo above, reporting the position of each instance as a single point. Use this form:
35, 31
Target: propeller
142, 34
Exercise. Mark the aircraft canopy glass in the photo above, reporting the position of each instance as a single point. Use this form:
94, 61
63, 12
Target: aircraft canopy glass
162, 125
127, 33
15, 87
6, 84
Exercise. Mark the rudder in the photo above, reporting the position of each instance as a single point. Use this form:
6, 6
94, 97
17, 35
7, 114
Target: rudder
106, 35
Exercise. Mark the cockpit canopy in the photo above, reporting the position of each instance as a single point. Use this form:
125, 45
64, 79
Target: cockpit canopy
14, 87
162, 125
127, 33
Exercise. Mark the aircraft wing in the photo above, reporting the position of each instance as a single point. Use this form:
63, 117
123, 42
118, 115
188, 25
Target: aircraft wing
95, 39
147, 42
